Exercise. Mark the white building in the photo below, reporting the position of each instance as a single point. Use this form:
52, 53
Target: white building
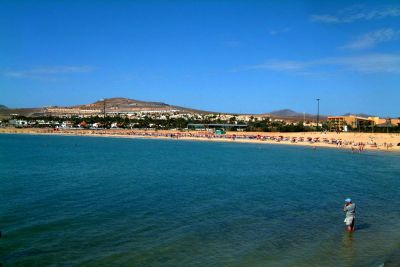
18, 123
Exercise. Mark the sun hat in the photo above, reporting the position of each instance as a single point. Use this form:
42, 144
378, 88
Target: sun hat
347, 200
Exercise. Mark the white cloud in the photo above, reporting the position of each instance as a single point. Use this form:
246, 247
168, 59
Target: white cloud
325, 18
371, 39
47, 71
369, 63
356, 14
282, 65
278, 31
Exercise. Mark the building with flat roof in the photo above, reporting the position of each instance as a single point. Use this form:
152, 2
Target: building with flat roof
341, 123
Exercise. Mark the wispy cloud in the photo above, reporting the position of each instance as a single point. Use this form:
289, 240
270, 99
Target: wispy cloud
278, 31
369, 63
47, 71
283, 65
356, 14
371, 39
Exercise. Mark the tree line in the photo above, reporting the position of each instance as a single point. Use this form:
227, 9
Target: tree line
146, 122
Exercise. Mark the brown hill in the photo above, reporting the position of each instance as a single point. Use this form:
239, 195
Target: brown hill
117, 104
127, 104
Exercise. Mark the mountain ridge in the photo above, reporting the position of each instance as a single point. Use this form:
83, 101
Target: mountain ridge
289, 113
129, 103
358, 114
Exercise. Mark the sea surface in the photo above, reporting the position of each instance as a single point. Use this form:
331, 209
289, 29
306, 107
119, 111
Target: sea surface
92, 201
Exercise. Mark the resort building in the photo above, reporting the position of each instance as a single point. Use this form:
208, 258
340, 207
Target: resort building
342, 123
388, 123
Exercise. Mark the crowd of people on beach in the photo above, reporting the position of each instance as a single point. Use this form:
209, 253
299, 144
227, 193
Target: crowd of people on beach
353, 145
314, 141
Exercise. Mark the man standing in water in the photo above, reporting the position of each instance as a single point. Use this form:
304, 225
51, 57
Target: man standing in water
350, 209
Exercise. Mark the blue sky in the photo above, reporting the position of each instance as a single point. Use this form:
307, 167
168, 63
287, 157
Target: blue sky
228, 56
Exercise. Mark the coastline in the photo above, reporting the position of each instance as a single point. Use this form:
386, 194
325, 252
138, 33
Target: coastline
356, 142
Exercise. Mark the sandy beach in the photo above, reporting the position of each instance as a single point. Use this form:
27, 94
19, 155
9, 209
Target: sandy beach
353, 141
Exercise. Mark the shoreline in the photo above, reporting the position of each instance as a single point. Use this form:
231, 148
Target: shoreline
356, 142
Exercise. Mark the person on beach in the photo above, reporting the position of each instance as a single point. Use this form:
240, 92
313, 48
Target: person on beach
350, 210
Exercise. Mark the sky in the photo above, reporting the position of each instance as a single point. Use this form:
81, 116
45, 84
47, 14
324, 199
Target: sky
225, 56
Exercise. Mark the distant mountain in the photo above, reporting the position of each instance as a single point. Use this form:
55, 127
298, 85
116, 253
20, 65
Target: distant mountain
291, 114
118, 104
286, 113
126, 104
8, 112
121, 104
359, 115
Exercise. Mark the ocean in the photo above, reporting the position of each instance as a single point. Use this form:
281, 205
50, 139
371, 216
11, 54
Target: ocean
93, 201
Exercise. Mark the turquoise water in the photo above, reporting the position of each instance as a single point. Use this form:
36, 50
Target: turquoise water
73, 201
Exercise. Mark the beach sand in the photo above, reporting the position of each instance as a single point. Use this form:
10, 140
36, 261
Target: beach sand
343, 140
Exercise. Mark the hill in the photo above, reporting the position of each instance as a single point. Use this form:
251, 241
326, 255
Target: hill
358, 115
115, 104
122, 104
291, 114
128, 104
286, 113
